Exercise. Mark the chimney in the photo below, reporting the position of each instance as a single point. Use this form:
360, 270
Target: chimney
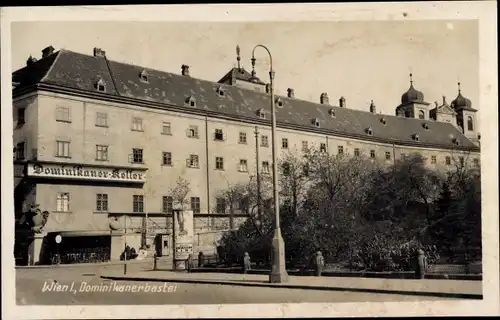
30, 61
323, 99
373, 109
268, 88
47, 51
98, 52
291, 93
185, 70
342, 102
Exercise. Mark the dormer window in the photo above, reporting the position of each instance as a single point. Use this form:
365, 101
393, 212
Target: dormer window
369, 131
455, 141
331, 112
279, 102
383, 121
143, 76
100, 85
261, 113
315, 122
416, 137
221, 92
425, 126
191, 102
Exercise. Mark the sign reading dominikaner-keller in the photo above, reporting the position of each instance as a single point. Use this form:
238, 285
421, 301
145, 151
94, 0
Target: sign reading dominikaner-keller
82, 172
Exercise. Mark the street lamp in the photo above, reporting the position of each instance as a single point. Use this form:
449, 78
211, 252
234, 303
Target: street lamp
278, 270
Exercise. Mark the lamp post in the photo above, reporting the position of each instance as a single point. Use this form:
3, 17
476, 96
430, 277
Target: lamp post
259, 210
278, 270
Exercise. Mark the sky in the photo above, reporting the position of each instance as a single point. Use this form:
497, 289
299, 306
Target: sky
359, 60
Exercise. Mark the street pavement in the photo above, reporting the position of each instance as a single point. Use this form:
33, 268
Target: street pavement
31, 282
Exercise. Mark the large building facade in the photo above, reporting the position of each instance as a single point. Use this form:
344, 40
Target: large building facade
101, 144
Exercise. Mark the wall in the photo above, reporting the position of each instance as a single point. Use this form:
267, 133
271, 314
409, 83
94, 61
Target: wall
84, 136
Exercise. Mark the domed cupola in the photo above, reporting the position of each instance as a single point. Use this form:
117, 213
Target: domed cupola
460, 101
412, 95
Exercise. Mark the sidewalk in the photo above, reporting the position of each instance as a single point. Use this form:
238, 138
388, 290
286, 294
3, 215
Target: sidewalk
427, 287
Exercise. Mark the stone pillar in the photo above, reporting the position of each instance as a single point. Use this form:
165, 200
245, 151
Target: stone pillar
35, 249
117, 245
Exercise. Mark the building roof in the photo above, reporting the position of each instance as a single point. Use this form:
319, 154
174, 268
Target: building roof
240, 74
67, 70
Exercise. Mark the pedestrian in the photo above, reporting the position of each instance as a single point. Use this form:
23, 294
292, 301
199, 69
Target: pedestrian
319, 264
189, 263
200, 260
246, 263
421, 264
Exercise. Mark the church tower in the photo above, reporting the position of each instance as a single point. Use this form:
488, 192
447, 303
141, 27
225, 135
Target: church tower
413, 104
466, 116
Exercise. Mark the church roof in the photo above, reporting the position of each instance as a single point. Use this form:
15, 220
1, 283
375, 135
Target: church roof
76, 73
461, 102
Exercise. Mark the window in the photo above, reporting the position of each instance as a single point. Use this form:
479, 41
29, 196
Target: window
305, 146
195, 204
220, 91
407, 114
101, 119
193, 161
137, 124
191, 101
462, 161
265, 167
221, 205
192, 132
20, 154
100, 85
421, 115
264, 141
284, 143
143, 76
219, 163
167, 158
470, 124
322, 147
62, 203
167, 204
315, 122
356, 152
137, 156
62, 114
101, 202
138, 204
447, 161
416, 137
476, 163
369, 131
387, 155
219, 135
261, 113
403, 156
101, 152
372, 153
279, 102
166, 128
433, 159
20, 116
243, 165
340, 150
285, 167
62, 149
243, 138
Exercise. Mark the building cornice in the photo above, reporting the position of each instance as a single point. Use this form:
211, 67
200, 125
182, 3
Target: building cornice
219, 115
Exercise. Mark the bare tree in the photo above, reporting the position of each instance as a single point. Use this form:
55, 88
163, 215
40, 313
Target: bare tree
180, 191
294, 180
